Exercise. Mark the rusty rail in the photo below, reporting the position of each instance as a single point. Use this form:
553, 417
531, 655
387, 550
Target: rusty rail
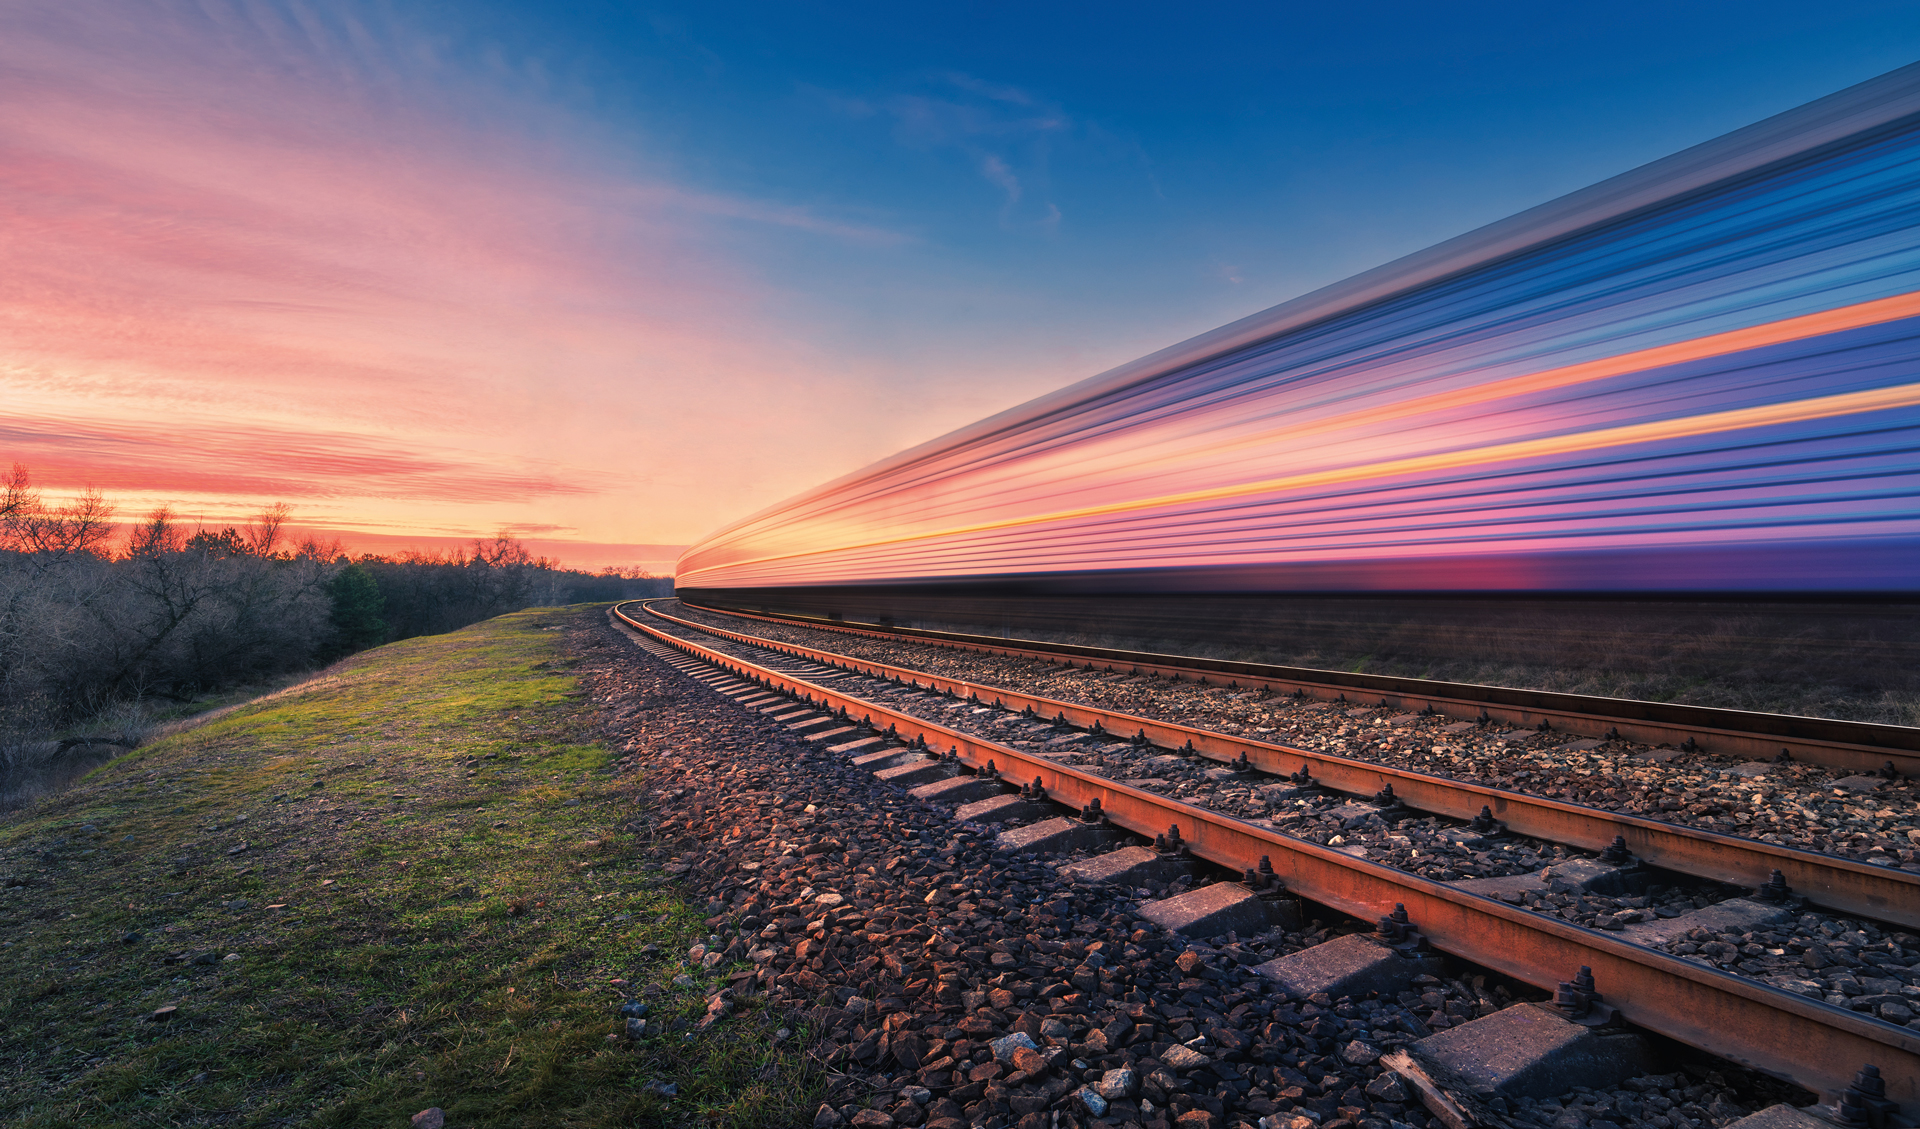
1839, 884
1856, 746
1811, 1044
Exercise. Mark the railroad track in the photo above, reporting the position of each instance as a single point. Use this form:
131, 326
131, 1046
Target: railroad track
1812, 1044
1839, 884
1851, 745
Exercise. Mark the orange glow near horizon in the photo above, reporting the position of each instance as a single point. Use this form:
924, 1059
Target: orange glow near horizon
415, 317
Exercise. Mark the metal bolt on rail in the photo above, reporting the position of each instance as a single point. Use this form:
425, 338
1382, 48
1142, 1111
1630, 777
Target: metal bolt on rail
1484, 823
1170, 843
1865, 1100
1034, 791
1092, 813
1398, 932
1617, 852
1304, 776
1775, 889
1579, 1000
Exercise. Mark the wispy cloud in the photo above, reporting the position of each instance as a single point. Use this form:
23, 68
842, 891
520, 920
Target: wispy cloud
1004, 132
997, 172
265, 251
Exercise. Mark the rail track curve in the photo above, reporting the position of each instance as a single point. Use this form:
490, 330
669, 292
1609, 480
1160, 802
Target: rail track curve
1810, 1043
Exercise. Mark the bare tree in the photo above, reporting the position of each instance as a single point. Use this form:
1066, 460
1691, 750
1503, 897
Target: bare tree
16, 499
264, 533
81, 526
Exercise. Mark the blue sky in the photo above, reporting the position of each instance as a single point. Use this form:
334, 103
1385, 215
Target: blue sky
1064, 187
859, 225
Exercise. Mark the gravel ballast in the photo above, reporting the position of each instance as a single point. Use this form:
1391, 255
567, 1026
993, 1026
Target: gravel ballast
950, 985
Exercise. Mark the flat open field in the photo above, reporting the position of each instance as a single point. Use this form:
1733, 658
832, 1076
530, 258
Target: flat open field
411, 882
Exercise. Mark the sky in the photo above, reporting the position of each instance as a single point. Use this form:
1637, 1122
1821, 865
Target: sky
610, 276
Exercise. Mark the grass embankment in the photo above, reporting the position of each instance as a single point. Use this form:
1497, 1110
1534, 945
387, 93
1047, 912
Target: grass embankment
402, 885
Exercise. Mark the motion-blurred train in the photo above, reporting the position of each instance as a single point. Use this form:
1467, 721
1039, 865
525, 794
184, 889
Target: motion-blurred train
1697, 380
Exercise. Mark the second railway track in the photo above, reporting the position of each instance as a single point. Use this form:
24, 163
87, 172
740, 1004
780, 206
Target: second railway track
1813, 1044
1856, 746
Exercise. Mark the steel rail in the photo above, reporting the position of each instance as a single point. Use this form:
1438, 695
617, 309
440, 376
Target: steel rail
1811, 1044
1857, 746
1840, 884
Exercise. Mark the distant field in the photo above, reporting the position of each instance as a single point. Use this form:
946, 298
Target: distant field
399, 886
1859, 661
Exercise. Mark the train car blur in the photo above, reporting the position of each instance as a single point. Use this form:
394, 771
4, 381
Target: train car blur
1699, 380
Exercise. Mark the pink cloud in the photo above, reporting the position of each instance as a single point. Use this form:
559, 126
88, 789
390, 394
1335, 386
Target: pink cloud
266, 462
250, 257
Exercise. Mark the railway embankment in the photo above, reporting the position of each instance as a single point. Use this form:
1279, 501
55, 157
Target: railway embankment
425, 880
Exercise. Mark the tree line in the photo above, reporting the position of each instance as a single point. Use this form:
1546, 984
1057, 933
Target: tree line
88, 619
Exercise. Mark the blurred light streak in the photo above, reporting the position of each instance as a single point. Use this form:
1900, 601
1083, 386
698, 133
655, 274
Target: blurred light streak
1697, 376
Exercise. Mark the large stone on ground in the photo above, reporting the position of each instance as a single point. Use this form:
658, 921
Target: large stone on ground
1572, 876
960, 790
1780, 1116
1353, 965
1010, 807
878, 759
1735, 915
1224, 907
1055, 836
1529, 1051
1132, 866
924, 771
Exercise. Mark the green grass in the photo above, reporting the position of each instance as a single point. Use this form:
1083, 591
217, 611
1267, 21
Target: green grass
440, 825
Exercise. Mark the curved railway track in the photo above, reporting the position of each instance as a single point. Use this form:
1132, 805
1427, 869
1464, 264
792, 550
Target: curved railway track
1810, 1043
1856, 746
1835, 883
